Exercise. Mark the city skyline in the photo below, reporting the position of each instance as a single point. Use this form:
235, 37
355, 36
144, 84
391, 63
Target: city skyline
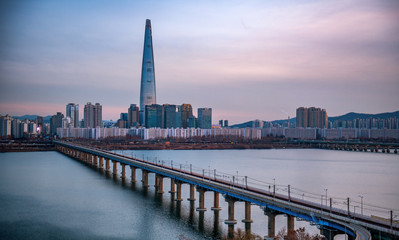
246, 61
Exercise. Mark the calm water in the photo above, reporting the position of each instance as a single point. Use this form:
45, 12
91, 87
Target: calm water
46, 195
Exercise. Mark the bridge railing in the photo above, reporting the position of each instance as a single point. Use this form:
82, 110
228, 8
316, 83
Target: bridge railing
356, 208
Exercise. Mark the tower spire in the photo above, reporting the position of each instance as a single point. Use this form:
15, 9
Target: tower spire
147, 87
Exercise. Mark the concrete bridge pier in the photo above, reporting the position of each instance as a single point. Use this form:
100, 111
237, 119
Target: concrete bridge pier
201, 192
178, 191
290, 224
114, 169
271, 225
160, 184
101, 162
95, 160
216, 206
133, 174
328, 233
172, 186
247, 219
123, 173
230, 221
107, 165
145, 178
192, 193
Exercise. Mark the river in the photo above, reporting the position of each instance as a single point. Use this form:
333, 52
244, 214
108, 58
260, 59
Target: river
46, 195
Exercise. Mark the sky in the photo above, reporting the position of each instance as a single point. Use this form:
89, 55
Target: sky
245, 59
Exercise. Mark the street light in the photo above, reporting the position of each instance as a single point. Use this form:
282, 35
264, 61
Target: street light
361, 203
326, 195
274, 188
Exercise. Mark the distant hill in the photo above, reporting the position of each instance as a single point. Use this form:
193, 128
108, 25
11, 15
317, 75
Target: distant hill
346, 117
350, 116
31, 118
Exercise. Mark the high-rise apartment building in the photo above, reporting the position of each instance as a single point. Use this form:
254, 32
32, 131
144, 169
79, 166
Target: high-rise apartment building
93, 115
205, 118
5, 126
56, 122
154, 116
147, 87
169, 116
311, 117
72, 111
186, 111
133, 115
301, 117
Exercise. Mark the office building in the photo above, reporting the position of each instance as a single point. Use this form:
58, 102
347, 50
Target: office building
192, 122
93, 115
72, 111
186, 111
154, 116
133, 116
147, 87
205, 118
226, 123
169, 116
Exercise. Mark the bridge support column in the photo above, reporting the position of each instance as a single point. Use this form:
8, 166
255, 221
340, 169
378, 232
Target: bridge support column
123, 171
271, 225
156, 181
328, 233
107, 163
201, 206
90, 159
290, 224
101, 162
178, 191
216, 206
160, 184
95, 157
133, 174
230, 221
247, 219
172, 186
192, 193
145, 178
114, 170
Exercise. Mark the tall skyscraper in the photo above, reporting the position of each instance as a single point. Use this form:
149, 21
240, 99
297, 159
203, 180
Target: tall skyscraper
205, 118
93, 115
147, 87
72, 111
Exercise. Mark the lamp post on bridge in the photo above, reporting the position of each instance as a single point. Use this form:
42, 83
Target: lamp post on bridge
326, 194
274, 188
361, 203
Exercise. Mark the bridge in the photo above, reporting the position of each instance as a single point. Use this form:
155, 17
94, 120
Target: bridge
350, 145
331, 220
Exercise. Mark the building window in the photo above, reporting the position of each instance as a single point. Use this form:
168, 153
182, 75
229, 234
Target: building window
149, 97
149, 69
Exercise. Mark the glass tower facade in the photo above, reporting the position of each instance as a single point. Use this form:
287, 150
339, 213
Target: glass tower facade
147, 87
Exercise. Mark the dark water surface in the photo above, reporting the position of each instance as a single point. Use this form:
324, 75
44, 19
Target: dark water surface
46, 195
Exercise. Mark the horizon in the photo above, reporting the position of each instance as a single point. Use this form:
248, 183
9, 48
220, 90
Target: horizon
252, 60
